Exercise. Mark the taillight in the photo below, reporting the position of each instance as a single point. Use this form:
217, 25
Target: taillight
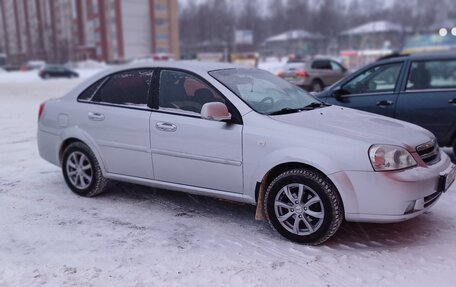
40, 111
302, 74
279, 74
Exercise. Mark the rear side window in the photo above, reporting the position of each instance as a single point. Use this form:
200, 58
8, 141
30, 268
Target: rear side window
427, 75
90, 91
130, 88
321, 65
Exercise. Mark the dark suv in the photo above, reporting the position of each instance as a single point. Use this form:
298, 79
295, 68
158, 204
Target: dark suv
420, 89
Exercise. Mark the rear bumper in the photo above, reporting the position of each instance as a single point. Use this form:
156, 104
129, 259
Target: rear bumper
301, 81
389, 196
48, 146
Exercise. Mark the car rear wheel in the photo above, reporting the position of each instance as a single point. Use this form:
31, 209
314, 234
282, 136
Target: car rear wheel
303, 206
82, 171
316, 86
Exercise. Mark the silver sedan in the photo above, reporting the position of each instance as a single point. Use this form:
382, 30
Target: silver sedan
246, 135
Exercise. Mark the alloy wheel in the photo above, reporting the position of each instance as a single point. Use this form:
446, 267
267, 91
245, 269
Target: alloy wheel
299, 209
79, 170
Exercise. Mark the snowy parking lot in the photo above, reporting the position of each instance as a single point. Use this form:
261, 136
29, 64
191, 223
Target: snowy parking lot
138, 236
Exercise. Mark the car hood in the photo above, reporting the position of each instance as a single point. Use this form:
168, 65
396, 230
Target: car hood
359, 125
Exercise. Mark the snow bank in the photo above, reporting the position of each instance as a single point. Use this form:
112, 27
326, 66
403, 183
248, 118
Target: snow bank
91, 64
273, 65
32, 76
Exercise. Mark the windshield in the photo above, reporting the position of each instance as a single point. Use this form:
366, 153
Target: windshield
264, 92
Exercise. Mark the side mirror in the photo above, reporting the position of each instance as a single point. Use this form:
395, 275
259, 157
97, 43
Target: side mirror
215, 111
339, 93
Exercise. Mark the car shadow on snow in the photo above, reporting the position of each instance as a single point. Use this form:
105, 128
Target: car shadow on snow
421, 230
184, 205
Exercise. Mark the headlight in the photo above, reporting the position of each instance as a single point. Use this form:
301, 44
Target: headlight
390, 157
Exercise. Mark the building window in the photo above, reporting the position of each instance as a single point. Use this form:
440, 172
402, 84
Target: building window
160, 22
161, 36
95, 6
161, 7
162, 50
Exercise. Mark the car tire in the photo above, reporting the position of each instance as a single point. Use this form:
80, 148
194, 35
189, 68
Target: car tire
316, 86
46, 76
303, 206
82, 172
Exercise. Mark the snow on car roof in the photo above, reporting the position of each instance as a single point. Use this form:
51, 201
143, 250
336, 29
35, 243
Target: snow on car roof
373, 27
194, 66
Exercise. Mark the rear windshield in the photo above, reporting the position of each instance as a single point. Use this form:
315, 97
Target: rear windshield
295, 67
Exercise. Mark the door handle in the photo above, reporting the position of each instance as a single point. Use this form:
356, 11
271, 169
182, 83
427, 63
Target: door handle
96, 116
452, 102
384, 103
166, 127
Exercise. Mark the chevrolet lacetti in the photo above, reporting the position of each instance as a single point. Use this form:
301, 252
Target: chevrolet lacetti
246, 135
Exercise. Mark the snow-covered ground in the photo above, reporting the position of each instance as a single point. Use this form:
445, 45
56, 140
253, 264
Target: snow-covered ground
137, 236
273, 65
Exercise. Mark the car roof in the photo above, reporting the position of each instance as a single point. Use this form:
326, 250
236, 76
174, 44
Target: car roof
422, 56
54, 66
191, 66
194, 66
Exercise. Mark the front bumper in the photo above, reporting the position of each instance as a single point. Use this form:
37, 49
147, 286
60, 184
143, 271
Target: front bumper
390, 196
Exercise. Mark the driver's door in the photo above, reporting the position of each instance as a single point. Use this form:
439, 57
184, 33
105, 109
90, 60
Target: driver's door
374, 90
187, 149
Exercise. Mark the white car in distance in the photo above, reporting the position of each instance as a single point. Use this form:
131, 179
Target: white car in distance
245, 135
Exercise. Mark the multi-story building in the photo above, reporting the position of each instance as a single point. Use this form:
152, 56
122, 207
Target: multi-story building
107, 30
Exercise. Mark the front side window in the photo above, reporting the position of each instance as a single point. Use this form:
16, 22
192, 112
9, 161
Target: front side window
182, 92
427, 75
375, 80
262, 91
130, 88
336, 67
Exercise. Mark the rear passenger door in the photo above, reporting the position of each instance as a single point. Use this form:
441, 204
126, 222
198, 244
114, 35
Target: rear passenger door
428, 97
115, 113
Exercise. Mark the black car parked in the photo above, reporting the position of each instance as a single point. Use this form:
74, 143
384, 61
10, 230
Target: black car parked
419, 88
55, 71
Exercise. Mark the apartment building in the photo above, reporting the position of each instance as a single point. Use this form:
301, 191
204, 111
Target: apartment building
106, 30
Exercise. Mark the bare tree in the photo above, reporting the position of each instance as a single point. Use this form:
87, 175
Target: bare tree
217, 19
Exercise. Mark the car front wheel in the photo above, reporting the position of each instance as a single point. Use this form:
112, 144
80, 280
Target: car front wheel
82, 171
303, 206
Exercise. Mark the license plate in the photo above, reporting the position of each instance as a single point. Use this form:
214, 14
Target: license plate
447, 178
